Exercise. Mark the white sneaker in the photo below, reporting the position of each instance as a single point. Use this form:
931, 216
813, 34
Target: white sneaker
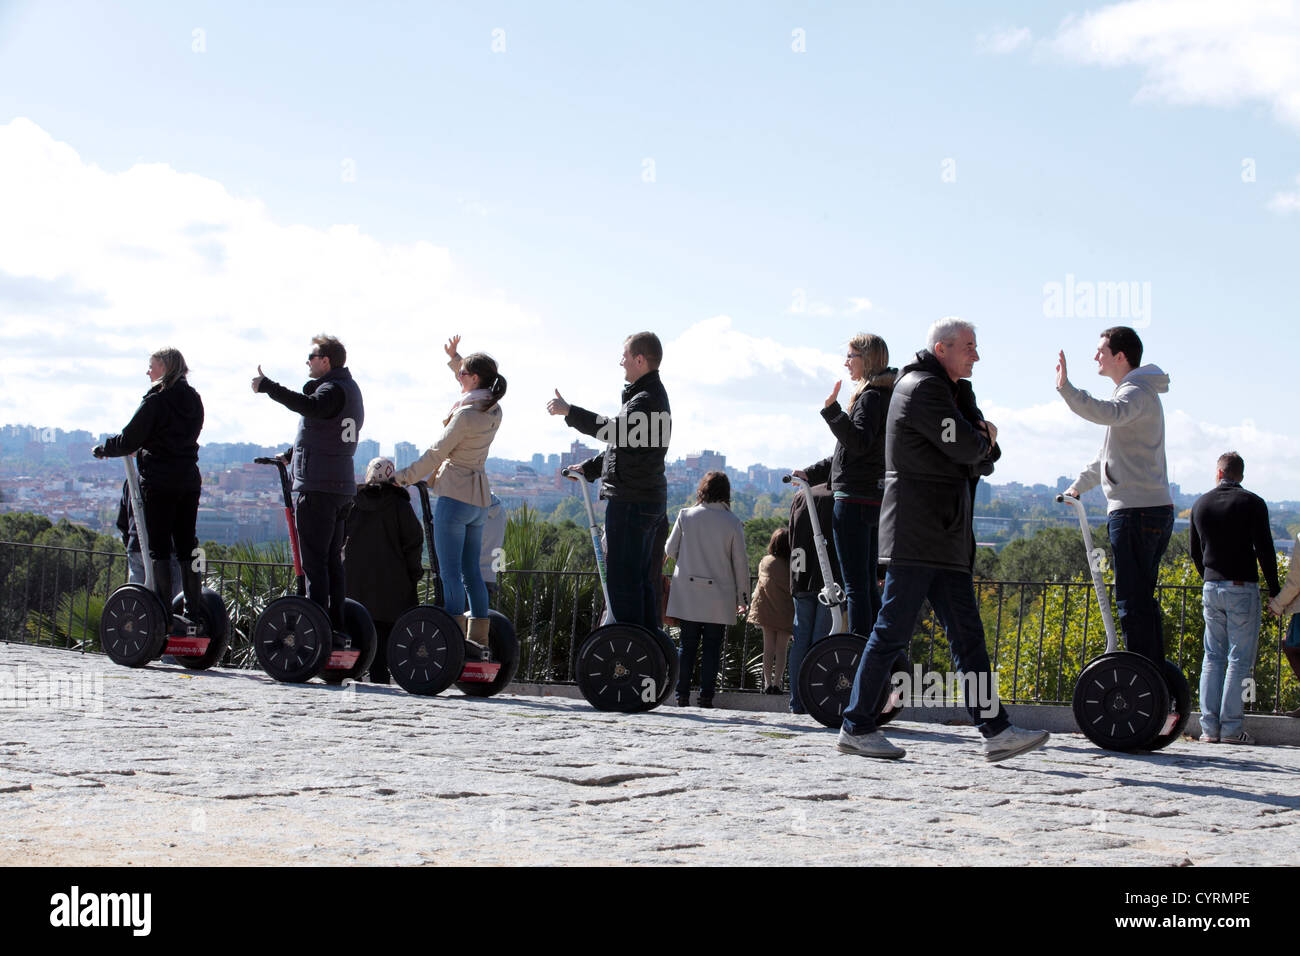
1241, 738
1012, 742
873, 744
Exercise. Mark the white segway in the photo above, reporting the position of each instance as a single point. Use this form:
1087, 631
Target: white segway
137, 626
1122, 700
621, 667
831, 664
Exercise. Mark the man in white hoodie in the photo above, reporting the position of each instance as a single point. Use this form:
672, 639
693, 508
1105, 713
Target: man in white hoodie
1131, 471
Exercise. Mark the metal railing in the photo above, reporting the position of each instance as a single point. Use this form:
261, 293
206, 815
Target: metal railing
1039, 635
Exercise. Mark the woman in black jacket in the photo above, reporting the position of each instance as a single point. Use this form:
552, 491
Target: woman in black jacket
382, 553
856, 472
164, 435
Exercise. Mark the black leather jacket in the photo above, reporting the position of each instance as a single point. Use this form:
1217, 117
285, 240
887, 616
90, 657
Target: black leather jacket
631, 467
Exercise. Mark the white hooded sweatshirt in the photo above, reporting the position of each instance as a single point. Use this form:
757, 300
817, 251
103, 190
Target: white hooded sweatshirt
1131, 464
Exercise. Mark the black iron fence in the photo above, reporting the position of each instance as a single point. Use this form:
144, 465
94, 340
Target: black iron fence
1039, 635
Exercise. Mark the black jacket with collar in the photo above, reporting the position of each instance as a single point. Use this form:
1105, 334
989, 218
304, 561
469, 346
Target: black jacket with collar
935, 452
631, 467
857, 466
165, 430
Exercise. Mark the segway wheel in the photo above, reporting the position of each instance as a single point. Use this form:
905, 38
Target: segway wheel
360, 634
826, 677
621, 667
674, 659
292, 639
1180, 703
133, 626
887, 711
426, 650
1121, 701
505, 651
218, 630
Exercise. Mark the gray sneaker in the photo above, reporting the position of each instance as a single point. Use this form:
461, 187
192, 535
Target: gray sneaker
1241, 738
873, 744
1012, 742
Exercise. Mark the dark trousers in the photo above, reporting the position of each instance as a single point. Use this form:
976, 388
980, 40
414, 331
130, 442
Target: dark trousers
631, 528
1138, 539
856, 530
169, 519
319, 518
952, 595
379, 667
712, 634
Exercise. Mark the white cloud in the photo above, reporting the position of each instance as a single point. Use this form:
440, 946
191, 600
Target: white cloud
1001, 42
857, 305
1284, 203
1197, 52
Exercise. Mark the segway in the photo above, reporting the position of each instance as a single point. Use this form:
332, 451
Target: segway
292, 637
428, 652
621, 667
1122, 700
829, 668
136, 626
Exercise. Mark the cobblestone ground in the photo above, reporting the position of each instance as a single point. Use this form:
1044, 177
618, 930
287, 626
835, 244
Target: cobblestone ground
230, 767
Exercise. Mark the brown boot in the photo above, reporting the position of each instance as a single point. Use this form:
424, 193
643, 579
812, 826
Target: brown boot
479, 627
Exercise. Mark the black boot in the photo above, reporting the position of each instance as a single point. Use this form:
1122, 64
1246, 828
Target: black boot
162, 582
192, 586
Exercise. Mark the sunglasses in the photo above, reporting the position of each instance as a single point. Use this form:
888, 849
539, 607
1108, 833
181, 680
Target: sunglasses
314, 355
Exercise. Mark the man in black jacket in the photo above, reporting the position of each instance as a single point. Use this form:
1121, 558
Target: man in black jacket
937, 444
631, 469
1230, 537
324, 484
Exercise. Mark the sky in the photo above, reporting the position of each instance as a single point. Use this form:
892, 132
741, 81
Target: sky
754, 182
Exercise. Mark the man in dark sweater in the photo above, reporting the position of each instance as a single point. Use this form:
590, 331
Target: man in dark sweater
631, 469
1230, 537
323, 479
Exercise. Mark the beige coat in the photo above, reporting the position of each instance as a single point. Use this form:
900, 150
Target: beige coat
1288, 599
711, 577
772, 606
457, 458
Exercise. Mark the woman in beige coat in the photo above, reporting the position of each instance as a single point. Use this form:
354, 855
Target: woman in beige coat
456, 460
772, 608
710, 580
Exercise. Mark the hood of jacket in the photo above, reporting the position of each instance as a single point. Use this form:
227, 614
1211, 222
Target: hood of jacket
1149, 377
379, 496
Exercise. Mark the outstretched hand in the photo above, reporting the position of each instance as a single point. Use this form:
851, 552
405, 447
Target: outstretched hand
452, 348
834, 396
557, 405
1061, 377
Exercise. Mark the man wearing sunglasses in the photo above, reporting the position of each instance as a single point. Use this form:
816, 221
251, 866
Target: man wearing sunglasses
324, 482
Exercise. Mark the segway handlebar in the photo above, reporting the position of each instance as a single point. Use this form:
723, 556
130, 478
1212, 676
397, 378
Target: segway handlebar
831, 595
137, 515
575, 474
288, 517
1096, 557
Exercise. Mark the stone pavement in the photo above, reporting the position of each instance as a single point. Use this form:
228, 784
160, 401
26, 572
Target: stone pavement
228, 767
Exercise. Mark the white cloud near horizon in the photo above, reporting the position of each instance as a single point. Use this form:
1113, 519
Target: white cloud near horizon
1285, 203
100, 267
1196, 52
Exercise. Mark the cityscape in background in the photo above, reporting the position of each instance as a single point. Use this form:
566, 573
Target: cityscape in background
50, 471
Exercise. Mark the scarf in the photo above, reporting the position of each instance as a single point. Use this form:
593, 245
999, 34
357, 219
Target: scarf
469, 398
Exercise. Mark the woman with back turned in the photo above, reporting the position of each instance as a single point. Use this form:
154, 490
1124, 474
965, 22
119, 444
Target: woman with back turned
456, 461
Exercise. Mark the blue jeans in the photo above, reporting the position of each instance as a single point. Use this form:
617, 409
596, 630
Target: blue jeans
856, 543
1138, 538
630, 529
458, 541
812, 622
952, 595
713, 634
1231, 638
